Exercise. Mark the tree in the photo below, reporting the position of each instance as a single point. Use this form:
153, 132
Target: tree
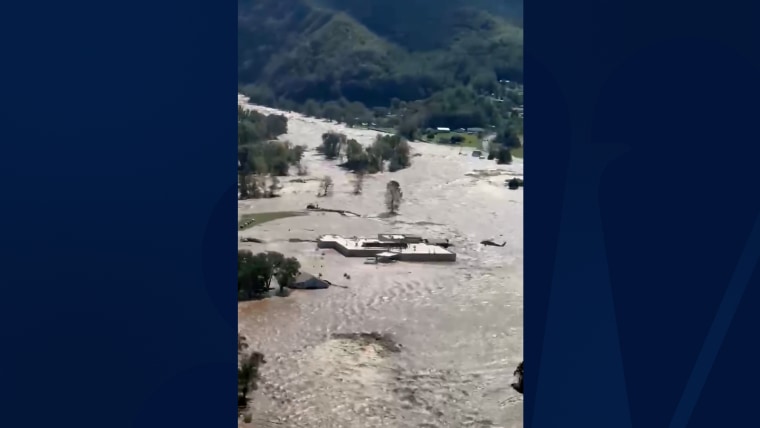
257, 186
409, 128
508, 138
248, 377
286, 271
333, 111
274, 187
297, 154
242, 185
242, 344
393, 196
357, 158
374, 160
393, 148
504, 156
276, 125
332, 143
325, 188
254, 274
311, 108
457, 139
358, 182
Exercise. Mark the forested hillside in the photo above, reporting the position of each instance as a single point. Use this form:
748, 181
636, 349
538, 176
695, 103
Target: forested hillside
417, 61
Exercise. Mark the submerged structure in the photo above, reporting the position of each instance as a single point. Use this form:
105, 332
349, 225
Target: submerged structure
410, 248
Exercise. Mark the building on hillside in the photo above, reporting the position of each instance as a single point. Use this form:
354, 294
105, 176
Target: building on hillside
443, 129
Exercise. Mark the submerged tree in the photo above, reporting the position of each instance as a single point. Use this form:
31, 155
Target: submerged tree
255, 272
332, 144
274, 187
242, 344
503, 156
286, 271
393, 196
248, 377
358, 182
325, 186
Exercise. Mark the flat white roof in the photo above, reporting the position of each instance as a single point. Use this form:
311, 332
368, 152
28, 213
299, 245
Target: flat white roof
410, 248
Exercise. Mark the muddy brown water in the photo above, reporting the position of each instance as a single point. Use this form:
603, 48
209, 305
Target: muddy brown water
459, 325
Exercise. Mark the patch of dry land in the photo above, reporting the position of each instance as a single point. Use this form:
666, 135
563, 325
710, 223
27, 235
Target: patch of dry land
456, 328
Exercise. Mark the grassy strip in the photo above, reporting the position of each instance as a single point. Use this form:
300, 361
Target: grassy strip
264, 217
470, 140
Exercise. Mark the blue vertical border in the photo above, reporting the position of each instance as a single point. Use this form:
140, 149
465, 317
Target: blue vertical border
642, 243
117, 177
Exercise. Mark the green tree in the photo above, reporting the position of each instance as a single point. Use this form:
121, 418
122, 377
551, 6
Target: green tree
358, 182
374, 160
254, 274
312, 108
332, 144
333, 111
393, 197
276, 125
274, 187
508, 138
287, 271
503, 156
248, 377
325, 186
242, 344
357, 158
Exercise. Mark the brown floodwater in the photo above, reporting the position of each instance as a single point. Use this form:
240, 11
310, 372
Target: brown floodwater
459, 325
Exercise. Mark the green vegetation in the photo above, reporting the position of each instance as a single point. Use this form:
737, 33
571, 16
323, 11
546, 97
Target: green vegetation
392, 149
518, 152
260, 218
400, 64
260, 156
248, 374
256, 271
393, 197
455, 138
504, 146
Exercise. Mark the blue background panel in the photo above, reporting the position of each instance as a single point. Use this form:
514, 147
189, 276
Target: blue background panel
640, 293
116, 122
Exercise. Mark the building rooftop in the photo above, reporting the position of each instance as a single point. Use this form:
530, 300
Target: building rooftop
355, 242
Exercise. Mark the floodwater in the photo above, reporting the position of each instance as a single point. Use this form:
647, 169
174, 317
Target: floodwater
459, 325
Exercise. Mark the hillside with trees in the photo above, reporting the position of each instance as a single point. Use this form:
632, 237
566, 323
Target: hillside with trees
404, 64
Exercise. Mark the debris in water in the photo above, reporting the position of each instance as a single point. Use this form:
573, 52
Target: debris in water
517, 384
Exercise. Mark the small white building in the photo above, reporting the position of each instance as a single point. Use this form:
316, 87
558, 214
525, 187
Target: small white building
443, 129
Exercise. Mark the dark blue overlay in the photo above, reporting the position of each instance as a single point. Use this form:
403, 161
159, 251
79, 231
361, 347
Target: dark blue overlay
642, 216
114, 118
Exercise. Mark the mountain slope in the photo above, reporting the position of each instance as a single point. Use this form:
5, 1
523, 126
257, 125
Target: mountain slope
375, 51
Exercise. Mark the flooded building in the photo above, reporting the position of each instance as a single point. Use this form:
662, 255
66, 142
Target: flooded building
398, 247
